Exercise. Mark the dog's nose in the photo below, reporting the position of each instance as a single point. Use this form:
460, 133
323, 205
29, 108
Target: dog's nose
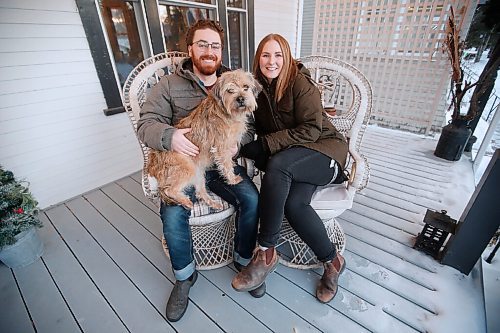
240, 100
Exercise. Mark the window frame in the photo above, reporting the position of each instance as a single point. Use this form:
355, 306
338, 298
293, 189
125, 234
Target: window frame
105, 63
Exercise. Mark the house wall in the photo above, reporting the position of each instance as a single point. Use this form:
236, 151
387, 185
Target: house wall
53, 132
281, 17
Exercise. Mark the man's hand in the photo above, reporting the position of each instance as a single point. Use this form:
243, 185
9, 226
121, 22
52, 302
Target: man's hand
181, 144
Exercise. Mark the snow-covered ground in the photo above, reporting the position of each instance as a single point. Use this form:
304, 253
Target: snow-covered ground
491, 280
491, 272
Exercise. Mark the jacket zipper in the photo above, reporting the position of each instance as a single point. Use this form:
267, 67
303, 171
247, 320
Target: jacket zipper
273, 114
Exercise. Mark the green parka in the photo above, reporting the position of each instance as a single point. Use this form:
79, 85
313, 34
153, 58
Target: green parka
298, 119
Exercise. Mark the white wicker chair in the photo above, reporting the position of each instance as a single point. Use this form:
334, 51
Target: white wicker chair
346, 89
212, 230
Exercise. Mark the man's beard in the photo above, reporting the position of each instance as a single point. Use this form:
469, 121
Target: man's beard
207, 69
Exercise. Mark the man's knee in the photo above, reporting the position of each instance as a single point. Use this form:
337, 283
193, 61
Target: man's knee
174, 216
249, 199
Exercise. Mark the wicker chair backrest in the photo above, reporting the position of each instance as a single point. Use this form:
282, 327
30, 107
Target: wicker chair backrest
347, 91
136, 88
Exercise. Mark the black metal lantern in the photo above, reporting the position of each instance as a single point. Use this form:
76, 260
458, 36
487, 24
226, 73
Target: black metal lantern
438, 225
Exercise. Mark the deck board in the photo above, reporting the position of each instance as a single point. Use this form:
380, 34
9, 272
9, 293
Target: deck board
71, 279
14, 314
57, 317
279, 319
349, 304
295, 288
211, 299
104, 269
134, 310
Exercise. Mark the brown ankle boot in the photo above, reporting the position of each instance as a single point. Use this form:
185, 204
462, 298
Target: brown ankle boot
328, 285
254, 274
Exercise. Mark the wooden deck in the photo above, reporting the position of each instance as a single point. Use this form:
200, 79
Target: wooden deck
104, 269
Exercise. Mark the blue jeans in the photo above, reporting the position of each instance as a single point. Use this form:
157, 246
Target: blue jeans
175, 218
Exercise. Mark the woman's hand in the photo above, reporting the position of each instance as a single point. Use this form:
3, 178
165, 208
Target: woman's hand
255, 151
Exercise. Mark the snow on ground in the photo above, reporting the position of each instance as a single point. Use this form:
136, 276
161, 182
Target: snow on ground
490, 272
491, 281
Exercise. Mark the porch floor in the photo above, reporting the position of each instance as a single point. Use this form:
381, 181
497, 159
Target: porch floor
104, 269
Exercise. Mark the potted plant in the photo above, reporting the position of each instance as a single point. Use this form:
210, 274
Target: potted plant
454, 136
19, 242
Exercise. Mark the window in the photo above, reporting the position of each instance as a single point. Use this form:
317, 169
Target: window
176, 20
133, 30
127, 45
212, 2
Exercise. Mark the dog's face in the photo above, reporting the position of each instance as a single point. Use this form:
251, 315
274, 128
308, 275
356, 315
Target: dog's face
237, 91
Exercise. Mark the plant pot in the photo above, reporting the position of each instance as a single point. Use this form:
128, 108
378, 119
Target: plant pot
453, 139
26, 250
468, 147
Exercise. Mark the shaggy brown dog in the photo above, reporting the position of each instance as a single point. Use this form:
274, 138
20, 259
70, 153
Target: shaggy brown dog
217, 125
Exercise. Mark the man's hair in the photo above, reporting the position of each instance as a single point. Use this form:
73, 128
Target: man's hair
289, 69
201, 25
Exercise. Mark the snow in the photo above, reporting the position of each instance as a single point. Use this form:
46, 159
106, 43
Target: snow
491, 272
491, 280
451, 296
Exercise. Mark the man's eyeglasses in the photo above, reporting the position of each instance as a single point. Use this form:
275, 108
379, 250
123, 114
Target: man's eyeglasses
204, 45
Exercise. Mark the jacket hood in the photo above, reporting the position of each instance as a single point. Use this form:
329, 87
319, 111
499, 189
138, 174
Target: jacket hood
303, 69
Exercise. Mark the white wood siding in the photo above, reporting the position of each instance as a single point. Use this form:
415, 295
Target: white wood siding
53, 132
279, 16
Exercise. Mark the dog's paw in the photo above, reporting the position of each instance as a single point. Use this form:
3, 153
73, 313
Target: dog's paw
234, 180
187, 204
215, 205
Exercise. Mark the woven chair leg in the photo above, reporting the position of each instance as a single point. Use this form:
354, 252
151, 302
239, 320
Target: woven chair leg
213, 244
296, 254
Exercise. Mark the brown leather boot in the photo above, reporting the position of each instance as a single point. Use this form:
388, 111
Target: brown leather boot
254, 274
328, 285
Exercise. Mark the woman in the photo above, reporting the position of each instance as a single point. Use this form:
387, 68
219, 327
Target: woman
299, 149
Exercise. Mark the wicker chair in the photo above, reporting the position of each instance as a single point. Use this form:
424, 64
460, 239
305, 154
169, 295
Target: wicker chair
212, 230
347, 91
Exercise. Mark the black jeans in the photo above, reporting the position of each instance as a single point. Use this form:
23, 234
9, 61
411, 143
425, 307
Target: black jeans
289, 182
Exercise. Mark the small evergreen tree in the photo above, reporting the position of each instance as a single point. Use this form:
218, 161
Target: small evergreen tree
18, 208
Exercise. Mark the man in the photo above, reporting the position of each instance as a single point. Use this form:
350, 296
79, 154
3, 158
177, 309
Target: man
172, 99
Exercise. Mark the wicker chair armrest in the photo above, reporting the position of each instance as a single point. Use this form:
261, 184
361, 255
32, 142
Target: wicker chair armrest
357, 171
366, 174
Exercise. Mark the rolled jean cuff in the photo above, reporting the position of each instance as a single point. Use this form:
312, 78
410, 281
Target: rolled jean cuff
186, 272
264, 241
240, 260
331, 255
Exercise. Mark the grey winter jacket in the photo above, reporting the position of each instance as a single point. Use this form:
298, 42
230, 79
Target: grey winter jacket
172, 99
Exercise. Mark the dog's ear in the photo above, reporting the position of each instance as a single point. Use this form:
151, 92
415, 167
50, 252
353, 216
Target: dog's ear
217, 88
256, 86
